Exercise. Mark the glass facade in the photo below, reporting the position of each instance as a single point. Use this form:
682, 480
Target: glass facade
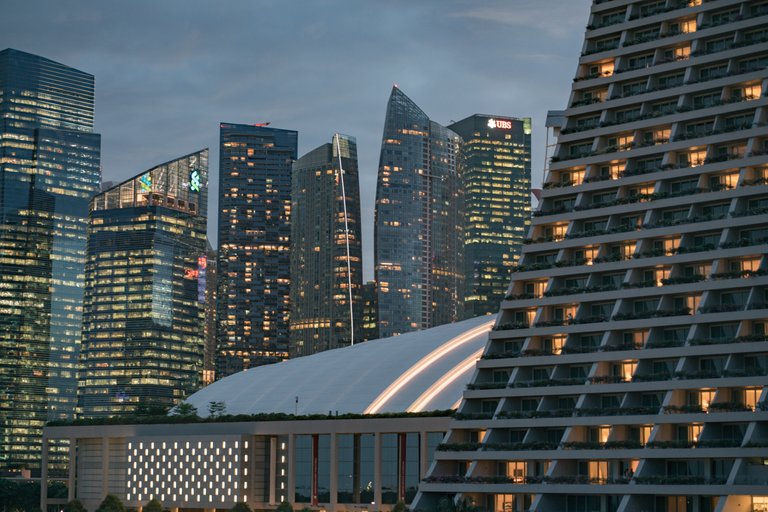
326, 249
145, 290
254, 246
49, 168
370, 329
419, 221
497, 205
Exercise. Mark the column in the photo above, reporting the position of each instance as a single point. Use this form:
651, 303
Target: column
355, 468
423, 454
72, 469
290, 492
402, 459
104, 467
273, 470
315, 469
377, 471
334, 470
44, 477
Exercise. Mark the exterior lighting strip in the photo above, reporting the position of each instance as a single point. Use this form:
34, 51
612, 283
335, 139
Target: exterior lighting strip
424, 363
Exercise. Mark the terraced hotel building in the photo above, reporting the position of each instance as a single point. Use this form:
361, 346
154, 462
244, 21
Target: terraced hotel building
628, 367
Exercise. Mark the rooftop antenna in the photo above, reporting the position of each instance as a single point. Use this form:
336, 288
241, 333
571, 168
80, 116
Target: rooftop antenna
346, 236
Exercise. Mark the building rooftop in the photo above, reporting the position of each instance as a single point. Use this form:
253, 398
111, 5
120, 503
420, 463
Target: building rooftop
418, 371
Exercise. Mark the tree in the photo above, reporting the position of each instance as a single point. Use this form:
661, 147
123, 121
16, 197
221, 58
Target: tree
74, 506
216, 409
284, 507
241, 507
400, 507
154, 505
184, 409
111, 503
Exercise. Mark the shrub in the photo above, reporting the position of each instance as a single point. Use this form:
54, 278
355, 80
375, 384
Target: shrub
154, 505
111, 503
75, 506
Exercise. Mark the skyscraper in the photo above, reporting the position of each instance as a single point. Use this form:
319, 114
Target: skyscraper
211, 292
326, 249
49, 168
370, 312
419, 221
629, 366
145, 287
254, 246
497, 205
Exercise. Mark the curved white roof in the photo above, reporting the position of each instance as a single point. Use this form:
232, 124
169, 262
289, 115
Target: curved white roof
419, 371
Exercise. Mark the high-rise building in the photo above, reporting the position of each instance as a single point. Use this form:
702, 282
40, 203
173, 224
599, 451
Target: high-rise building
497, 205
629, 365
49, 168
211, 291
419, 221
370, 312
145, 290
254, 246
326, 249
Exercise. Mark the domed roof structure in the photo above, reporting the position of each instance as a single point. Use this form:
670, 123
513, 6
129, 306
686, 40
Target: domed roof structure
418, 371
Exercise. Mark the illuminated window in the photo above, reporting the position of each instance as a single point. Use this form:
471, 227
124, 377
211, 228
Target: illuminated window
516, 471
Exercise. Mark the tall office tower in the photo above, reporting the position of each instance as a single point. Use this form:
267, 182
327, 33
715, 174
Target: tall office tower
370, 312
497, 205
419, 221
326, 249
254, 246
144, 306
628, 369
49, 168
211, 285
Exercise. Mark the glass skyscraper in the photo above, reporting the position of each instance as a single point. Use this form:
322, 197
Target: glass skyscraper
419, 221
254, 246
145, 290
497, 205
49, 168
326, 249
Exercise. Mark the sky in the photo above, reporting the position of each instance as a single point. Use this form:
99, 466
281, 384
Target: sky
169, 71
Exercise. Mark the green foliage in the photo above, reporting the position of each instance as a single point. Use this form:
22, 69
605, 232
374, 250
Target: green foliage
231, 418
217, 409
400, 507
446, 504
154, 505
184, 409
284, 507
241, 507
75, 506
111, 503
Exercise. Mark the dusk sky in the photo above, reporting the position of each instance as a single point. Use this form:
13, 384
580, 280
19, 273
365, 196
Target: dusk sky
168, 72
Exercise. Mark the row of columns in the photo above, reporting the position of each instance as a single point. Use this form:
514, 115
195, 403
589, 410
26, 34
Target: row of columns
290, 491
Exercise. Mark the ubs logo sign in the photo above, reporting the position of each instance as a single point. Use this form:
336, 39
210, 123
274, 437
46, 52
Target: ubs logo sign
500, 123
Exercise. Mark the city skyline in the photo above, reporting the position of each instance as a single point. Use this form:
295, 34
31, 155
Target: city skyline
187, 84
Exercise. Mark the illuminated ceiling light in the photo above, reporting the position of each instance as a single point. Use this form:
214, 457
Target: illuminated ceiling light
424, 363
